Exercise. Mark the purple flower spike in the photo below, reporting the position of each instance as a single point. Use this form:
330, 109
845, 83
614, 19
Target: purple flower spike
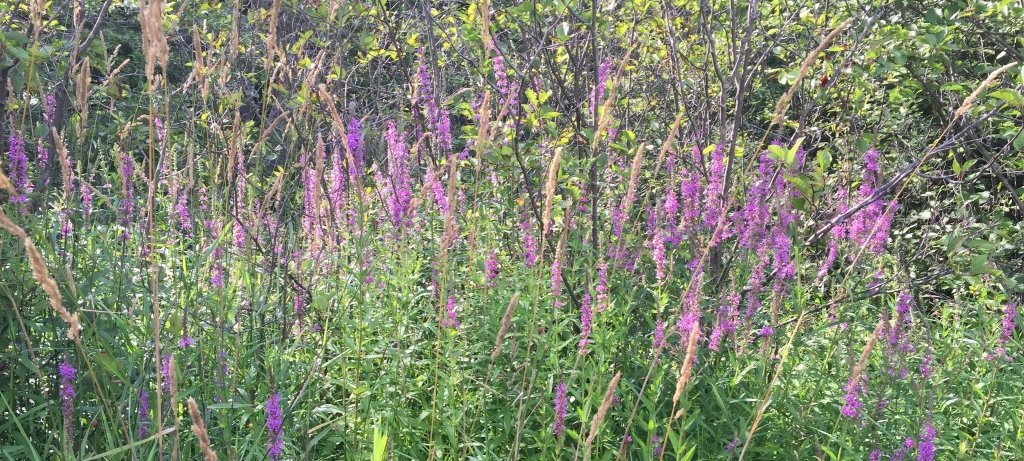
275, 440
561, 408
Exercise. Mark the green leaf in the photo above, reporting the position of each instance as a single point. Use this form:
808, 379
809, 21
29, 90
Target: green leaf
979, 264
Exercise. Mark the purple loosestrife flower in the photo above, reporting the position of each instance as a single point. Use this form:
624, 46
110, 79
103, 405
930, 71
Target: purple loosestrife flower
713, 199
186, 342
67, 395
556, 279
871, 164
852, 405
42, 161
275, 418
508, 89
50, 109
656, 444
1009, 324
755, 214
618, 218
658, 254
17, 168
529, 241
602, 286
561, 408
726, 320
659, 336
217, 272
926, 448
127, 205
86, 198
491, 267
338, 179
355, 144
182, 215
876, 455
143, 429
165, 374
732, 445
433, 184
426, 90
444, 131
690, 192
586, 323
310, 202
399, 183
451, 319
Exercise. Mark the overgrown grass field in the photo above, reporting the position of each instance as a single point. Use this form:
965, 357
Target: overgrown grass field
549, 229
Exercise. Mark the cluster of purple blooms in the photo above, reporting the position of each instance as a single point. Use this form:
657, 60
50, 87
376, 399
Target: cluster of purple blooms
275, 420
451, 318
67, 396
17, 168
561, 408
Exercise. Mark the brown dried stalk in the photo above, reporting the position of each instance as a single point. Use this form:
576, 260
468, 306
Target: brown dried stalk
82, 96
199, 429
783, 104
41, 275
602, 411
866, 353
634, 176
684, 374
985, 84
50, 287
65, 160
5, 183
154, 43
506, 322
549, 188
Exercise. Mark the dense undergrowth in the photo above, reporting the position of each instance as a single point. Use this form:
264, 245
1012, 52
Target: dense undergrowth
558, 230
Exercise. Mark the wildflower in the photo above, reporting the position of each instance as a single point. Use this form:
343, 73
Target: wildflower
399, 183
182, 214
1009, 323
926, 447
876, 455
275, 440
452, 318
86, 199
50, 109
602, 286
852, 406
165, 373
716, 176
355, 145
597, 96
337, 191
657, 245
186, 342
143, 429
17, 168
561, 408
556, 279
432, 183
659, 335
217, 272
726, 320
586, 322
127, 204
656, 444
491, 267
67, 395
